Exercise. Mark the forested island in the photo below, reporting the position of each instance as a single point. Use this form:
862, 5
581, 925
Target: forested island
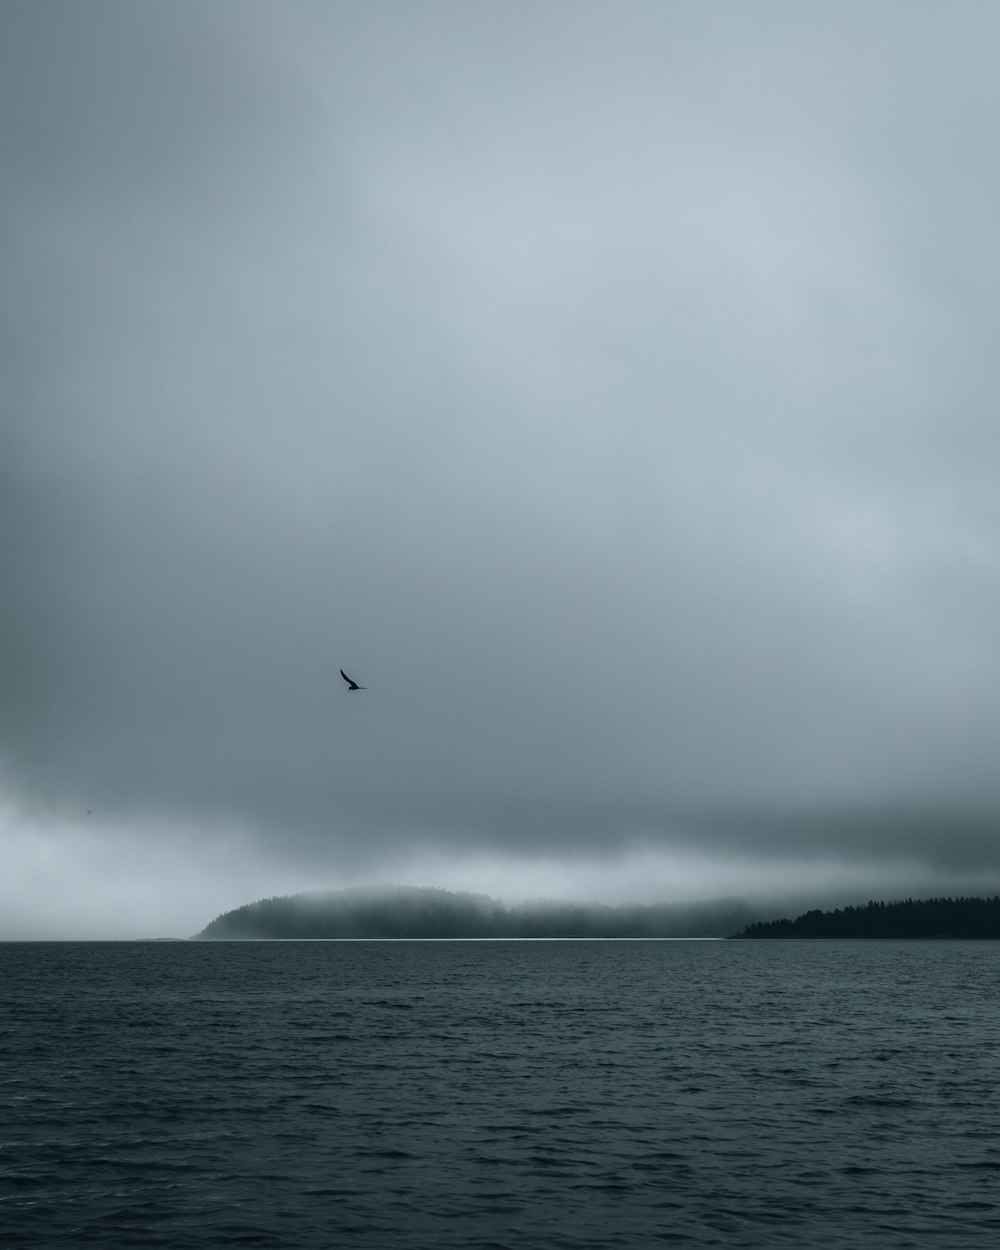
922, 918
425, 912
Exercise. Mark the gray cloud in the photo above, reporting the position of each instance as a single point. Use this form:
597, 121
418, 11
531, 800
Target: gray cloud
608, 388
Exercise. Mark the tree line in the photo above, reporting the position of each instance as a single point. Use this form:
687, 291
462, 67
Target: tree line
906, 918
427, 912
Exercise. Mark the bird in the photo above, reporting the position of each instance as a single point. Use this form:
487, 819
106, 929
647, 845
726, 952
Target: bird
351, 685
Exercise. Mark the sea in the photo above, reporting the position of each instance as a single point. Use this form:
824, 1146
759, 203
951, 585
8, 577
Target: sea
500, 1094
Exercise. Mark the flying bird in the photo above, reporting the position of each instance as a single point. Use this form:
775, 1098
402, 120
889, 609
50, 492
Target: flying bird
351, 685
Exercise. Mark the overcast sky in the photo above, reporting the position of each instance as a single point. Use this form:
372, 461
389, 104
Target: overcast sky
609, 387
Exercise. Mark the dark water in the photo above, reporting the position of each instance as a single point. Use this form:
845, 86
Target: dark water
500, 1094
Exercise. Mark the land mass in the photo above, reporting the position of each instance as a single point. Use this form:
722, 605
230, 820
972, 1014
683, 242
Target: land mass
425, 912
909, 918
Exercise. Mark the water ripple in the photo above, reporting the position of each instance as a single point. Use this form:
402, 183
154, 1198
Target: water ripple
486, 1096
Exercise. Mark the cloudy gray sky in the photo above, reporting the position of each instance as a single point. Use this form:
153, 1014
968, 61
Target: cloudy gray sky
612, 388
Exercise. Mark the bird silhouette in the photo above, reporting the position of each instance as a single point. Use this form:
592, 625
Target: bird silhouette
351, 685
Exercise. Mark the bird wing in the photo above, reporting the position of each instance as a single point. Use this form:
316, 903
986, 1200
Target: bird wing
347, 679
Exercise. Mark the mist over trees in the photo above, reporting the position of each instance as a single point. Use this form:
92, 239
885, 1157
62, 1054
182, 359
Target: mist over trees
932, 917
426, 912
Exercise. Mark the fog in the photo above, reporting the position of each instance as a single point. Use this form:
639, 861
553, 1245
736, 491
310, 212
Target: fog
607, 388
146, 881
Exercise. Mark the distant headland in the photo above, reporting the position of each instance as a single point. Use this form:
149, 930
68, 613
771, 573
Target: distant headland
426, 912
926, 918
